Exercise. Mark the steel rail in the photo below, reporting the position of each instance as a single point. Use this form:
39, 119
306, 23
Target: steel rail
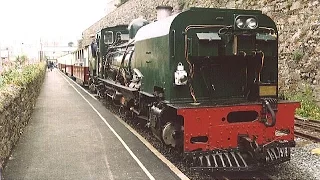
307, 129
306, 136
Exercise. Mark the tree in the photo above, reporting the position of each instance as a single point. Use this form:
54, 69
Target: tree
21, 60
70, 44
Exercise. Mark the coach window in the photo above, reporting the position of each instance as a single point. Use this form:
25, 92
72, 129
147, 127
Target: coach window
108, 37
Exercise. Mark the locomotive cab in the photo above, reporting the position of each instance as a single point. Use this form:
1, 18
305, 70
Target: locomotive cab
104, 47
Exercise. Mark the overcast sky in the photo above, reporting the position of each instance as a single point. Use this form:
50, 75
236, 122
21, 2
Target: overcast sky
26, 21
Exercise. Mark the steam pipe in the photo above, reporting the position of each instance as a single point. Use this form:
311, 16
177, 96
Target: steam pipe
273, 115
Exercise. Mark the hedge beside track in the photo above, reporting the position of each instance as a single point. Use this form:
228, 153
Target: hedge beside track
18, 94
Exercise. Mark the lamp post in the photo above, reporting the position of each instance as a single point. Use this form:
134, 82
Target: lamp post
8, 53
41, 55
22, 49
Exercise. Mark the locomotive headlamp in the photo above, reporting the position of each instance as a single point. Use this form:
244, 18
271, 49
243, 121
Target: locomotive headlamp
251, 23
180, 76
240, 23
246, 22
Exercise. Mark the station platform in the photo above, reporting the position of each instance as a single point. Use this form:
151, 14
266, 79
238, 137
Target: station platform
71, 135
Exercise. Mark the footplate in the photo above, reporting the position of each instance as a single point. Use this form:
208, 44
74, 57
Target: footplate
236, 160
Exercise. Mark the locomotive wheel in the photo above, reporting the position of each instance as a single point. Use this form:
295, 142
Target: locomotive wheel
156, 132
125, 113
169, 132
122, 112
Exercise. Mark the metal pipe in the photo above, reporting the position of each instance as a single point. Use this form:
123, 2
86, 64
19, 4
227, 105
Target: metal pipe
273, 116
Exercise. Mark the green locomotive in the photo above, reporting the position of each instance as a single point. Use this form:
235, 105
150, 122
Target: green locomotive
204, 81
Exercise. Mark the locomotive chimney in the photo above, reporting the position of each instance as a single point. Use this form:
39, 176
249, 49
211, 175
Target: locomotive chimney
163, 11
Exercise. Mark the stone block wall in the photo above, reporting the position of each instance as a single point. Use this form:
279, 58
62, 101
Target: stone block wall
16, 106
124, 14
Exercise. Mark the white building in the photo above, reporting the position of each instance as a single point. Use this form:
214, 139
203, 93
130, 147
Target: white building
53, 52
5, 53
6, 58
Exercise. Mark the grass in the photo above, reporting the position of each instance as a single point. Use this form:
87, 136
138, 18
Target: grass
309, 109
297, 55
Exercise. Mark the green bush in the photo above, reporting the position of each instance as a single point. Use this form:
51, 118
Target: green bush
309, 108
181, 4
21, 76
20, 60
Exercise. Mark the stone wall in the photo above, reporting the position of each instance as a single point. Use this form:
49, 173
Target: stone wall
298, 23
16, 106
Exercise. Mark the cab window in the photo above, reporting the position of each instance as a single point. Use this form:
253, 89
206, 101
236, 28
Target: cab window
108, 37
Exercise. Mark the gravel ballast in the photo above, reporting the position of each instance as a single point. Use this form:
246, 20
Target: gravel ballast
303, 164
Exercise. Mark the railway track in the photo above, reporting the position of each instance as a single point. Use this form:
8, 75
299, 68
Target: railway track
307, 129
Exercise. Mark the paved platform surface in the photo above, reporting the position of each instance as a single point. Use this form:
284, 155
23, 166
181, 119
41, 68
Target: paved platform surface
67, 139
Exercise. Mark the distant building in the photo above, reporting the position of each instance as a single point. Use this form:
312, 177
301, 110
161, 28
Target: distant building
53, 52
6, 59
4, 54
